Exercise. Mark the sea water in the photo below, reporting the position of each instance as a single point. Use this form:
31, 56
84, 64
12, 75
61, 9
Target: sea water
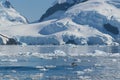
60, 62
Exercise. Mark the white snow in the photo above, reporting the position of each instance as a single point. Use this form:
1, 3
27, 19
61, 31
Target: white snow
82, 24
9, 16
57, 32
68, 1
64, 1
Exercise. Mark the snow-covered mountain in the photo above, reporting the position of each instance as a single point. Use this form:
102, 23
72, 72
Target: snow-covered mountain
80, 22
59, 7
9, 16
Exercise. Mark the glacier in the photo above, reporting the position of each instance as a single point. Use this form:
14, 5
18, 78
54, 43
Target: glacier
85, 22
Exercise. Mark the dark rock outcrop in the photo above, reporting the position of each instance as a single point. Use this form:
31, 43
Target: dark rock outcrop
12, 41
7, 4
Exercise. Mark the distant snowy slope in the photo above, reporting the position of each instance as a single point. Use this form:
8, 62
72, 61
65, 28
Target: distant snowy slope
9, 16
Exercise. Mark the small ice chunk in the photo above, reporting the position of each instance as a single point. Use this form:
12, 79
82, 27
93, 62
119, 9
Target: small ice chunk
59, 53
100, 53
80, 72
9, 60
88, 70
114, 60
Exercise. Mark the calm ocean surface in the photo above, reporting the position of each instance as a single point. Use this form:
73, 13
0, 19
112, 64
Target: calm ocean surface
59, 62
